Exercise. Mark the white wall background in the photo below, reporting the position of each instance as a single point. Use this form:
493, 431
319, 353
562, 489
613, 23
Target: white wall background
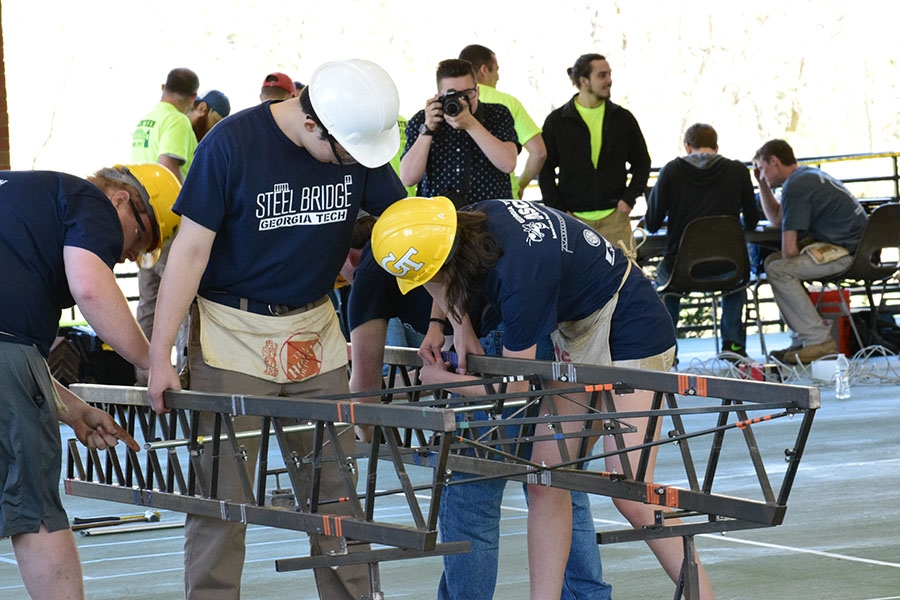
823, 74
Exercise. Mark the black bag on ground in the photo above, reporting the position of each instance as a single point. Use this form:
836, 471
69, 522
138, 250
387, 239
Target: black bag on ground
883, 332
78, 355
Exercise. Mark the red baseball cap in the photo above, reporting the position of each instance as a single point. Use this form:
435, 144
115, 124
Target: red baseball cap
280, 80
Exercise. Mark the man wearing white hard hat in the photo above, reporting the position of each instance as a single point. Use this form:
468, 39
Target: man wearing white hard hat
267, 212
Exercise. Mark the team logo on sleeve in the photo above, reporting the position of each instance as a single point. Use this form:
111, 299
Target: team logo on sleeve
591, 237
399, 267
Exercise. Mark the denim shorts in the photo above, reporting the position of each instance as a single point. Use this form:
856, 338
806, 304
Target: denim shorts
30, 446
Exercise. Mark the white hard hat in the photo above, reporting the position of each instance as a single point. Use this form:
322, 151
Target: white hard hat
358, 104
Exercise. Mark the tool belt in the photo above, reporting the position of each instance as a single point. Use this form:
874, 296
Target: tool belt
260, 308
292, 347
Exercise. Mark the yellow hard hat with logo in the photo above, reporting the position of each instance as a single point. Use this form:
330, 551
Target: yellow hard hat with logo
413, 238
159, 189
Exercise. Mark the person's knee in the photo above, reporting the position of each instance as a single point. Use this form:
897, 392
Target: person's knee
543, 493
778, 270
636, 513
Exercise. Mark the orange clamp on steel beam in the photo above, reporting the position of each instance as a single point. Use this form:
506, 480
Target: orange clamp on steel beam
346, 412
332, 525
599, 387
691, 385
662, 495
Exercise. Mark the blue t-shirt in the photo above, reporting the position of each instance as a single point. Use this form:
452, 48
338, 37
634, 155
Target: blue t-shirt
40, 213
819, 206
283, 220
375, 295
554, 269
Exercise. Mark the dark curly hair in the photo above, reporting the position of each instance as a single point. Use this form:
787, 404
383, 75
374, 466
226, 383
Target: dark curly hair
476, 252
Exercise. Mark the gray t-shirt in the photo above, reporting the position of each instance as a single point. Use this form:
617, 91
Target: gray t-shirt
817, 205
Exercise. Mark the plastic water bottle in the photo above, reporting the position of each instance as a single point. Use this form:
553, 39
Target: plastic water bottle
842, 378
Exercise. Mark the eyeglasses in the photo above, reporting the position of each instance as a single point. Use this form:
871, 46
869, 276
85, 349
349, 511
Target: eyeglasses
140, 233
340, 153
469, 93
137, 214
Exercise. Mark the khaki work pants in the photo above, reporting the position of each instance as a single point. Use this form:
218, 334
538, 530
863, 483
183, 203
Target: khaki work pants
615, 228
214, 549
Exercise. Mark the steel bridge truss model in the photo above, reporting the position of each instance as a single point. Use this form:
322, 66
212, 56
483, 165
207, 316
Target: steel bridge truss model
489, 436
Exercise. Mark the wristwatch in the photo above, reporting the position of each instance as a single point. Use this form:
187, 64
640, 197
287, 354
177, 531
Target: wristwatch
423, 130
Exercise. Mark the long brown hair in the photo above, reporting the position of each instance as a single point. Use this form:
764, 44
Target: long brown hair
476, 252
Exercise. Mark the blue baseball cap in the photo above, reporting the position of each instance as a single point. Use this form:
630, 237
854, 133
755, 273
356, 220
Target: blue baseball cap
216, 101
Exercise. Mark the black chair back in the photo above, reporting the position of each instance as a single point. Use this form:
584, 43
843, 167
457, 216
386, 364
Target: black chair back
712, 257
882, 231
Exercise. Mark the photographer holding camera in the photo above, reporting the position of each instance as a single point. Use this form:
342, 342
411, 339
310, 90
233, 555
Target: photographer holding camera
457, 146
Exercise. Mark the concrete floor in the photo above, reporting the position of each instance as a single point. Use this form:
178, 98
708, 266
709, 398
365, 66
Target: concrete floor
840, 539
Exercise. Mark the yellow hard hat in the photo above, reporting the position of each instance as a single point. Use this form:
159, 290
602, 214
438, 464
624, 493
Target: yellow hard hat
413, 238
159, 189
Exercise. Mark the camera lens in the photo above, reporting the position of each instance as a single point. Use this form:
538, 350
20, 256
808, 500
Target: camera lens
452, 105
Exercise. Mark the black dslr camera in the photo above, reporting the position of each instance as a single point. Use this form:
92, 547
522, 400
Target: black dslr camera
452, 102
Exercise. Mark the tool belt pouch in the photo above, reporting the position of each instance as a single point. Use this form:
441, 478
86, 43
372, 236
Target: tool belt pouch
281, 349
587, 340
823, 252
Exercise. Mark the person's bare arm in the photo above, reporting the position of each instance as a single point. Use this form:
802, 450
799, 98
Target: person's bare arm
437, 373
502, 154
537, 154
93, 427
181, 279
789, 246
433, 343
99, 297
367, 355
171, 163
415, 161
464, 339
771, 206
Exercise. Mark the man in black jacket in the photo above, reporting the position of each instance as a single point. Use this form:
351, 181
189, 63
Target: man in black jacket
592, 146
702, 184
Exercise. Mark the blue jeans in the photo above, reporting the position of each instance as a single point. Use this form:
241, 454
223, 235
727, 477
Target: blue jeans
471, 512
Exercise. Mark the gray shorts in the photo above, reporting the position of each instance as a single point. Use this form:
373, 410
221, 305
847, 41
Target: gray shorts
30, 447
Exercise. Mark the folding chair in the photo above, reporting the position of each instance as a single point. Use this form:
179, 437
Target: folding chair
712, 260
868, 267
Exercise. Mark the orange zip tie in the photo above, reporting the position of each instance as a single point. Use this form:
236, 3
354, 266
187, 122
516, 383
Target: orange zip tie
743, 424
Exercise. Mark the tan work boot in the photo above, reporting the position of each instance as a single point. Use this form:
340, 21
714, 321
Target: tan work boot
807, 354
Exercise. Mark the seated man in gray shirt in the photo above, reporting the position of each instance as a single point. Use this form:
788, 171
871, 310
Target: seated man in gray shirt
814, 207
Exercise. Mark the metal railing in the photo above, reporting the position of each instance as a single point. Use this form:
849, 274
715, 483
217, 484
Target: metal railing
874, 183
